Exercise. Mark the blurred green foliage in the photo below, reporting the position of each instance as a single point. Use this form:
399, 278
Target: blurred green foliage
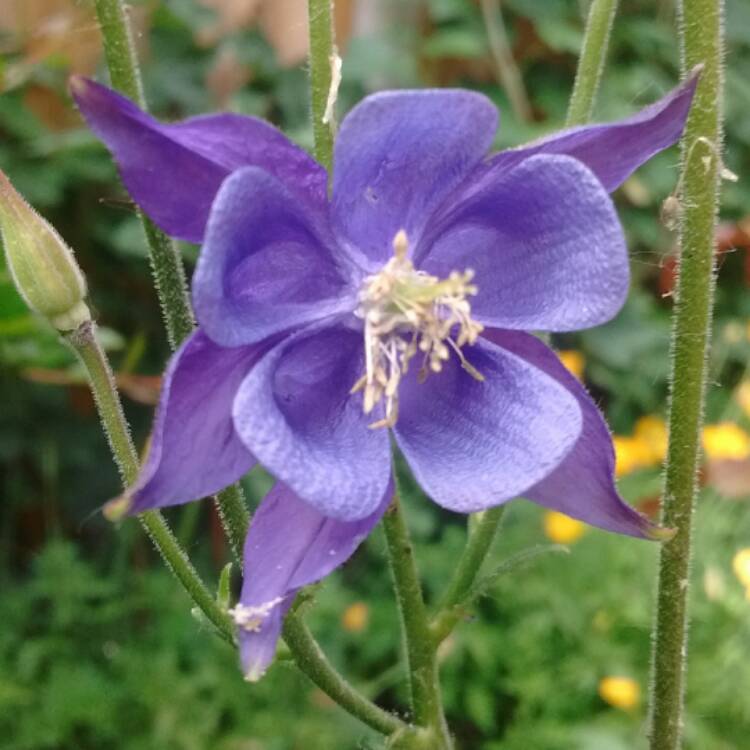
98, 649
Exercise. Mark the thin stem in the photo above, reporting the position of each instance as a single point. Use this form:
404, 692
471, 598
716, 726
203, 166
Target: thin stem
166, 262
507, 70
313, 662
591, 62
478, 545
86, 345
120, 50
420, 647
176, 559
322, 56
701, 35
170, 282
235, 517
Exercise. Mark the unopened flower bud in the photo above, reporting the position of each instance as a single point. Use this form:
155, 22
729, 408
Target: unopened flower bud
43, 267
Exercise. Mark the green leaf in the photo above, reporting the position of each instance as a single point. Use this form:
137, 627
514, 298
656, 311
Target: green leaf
224, 592
485, 583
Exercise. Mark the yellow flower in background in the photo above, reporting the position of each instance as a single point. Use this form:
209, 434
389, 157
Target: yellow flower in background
741, 566
651, 432
574, 361
624, 455
726, 440
646, 447
630, 454
620, 692
742, 395
562, 529
733, 332
355, 617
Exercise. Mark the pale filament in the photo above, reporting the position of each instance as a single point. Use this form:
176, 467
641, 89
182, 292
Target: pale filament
406, 311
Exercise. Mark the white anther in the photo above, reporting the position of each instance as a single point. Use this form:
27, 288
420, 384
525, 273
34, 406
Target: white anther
406, 311
400, 245
250, 619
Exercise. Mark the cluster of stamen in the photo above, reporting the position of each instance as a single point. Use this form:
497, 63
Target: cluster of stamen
406, 312
250, 619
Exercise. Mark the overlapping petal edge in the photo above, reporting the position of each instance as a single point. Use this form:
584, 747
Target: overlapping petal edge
412, 161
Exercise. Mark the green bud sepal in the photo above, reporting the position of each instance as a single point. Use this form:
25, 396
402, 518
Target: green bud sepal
42, 266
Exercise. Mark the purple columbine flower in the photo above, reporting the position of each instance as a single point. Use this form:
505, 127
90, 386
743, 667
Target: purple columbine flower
398, 307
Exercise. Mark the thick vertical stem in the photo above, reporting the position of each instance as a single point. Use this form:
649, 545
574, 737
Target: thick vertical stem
426, 699
701, 33
320, 16
85, 344
591, 61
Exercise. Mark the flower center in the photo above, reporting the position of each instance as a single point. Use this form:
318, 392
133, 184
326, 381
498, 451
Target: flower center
405, 312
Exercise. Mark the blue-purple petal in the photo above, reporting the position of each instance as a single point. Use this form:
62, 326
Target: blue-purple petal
613, 151
295, 413
472, 445
398, 155
268, 263
583, 485
194, 450
174, 171
289, 545
545, 243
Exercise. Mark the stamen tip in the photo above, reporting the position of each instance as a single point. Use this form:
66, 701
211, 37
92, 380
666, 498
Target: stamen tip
696, 71
400, 244
660, 533
254, 674
115, 510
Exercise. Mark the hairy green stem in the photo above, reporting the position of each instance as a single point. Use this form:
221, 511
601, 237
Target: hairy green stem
322, 56
86, 345
591, 62
171, 284
312, 661
482, 534
166, 262
426, 699
234, 516
119, 49
701, 36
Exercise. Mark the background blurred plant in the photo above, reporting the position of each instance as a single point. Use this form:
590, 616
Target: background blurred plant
86, 614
